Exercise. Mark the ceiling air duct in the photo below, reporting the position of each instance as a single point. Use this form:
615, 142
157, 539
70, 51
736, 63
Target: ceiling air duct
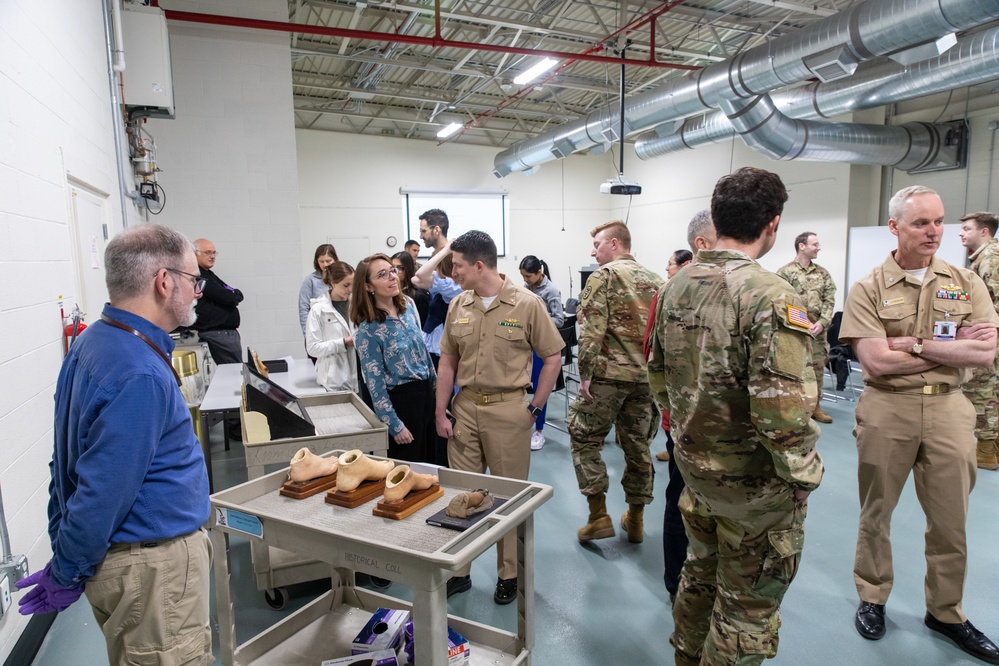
866, 31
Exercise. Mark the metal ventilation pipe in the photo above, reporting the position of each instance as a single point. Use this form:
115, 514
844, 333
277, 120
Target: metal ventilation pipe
870, 29
779, 137
974, 59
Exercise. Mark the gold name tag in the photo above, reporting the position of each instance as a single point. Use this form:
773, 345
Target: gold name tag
892, 301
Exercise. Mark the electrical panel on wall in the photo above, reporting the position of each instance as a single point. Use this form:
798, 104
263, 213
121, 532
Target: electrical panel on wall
148, 77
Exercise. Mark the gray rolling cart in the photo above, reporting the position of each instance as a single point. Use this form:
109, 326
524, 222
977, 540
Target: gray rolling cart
350, 540
273, 568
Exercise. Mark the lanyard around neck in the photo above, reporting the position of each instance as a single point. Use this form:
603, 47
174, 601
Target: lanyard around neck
128, 329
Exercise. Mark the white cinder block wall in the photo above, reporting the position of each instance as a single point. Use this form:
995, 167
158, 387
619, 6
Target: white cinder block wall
229, 166
55, 123
352, 180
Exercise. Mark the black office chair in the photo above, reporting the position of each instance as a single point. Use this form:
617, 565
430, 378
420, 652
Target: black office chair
571, 305
568, 372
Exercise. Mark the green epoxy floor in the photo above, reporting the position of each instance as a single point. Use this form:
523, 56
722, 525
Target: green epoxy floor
604, 604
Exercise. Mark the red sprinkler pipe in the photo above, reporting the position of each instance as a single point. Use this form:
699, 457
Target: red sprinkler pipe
436, 41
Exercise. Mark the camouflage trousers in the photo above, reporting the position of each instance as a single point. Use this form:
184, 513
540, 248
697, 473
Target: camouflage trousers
629, 407
820, 356
981, 391
727, 608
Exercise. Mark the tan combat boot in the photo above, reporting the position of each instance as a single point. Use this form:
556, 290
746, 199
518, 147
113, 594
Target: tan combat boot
600, 525
633, 522
821, 416
986, 455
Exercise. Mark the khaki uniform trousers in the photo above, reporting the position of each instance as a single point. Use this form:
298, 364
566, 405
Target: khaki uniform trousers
496, 437
727, 608
151, 601
930, 435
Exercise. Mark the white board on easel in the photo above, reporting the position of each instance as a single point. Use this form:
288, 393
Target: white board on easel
869, 247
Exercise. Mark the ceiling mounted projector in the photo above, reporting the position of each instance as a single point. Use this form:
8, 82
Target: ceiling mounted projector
619, 187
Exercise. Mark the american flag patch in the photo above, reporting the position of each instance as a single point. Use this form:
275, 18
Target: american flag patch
798, 317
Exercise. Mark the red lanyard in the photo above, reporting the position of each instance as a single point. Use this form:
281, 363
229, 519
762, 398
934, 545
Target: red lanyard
128, 329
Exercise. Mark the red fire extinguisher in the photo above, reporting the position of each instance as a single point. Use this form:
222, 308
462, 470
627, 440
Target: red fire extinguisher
72, 330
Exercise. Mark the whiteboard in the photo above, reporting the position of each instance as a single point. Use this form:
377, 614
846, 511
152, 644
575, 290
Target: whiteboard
869, 247
488, 212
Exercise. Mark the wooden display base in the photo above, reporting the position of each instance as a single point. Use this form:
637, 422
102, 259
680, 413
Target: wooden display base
303, 489
365, 492
409, 504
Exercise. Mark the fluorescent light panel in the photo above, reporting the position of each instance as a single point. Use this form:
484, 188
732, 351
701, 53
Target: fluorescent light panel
536, 71
448, 131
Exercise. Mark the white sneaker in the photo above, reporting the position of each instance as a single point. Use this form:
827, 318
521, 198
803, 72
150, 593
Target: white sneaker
537, 440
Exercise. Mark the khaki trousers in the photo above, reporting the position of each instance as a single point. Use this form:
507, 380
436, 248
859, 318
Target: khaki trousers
494, 437
151, 602
933, 437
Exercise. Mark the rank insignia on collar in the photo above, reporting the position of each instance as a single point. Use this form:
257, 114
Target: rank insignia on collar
798, 317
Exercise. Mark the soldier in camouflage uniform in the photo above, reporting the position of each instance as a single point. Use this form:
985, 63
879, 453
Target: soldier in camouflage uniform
614, 389
730, 357
978, 232
815, 286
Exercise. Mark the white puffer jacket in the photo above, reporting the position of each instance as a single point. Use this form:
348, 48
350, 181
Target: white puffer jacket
325, 331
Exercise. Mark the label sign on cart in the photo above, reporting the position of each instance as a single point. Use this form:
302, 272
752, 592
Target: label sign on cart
239, 522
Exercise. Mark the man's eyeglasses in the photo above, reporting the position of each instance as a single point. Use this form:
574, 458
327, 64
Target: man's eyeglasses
210, 253
384, 273
199, 282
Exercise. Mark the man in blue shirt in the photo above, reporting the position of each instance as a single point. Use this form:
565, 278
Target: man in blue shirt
129, 489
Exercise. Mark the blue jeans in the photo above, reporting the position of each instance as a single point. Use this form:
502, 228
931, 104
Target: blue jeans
535, 373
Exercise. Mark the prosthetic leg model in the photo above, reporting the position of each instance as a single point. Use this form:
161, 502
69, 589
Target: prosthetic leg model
359, 479
309, 474
406, 492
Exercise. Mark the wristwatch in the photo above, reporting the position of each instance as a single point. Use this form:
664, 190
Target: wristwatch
535, 411
917, 348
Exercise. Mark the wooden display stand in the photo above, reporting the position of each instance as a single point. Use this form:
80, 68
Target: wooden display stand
303, 489
408, 505
365, 492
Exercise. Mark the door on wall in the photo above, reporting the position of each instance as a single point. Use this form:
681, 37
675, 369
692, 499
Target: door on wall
90, 212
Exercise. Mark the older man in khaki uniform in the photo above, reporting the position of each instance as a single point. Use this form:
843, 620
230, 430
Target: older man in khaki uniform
918, 325
978, 231
490, 332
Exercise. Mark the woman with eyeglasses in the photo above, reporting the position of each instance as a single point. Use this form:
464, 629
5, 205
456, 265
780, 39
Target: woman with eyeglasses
537, 278
677, 260
395, 362
329, 333
403, 262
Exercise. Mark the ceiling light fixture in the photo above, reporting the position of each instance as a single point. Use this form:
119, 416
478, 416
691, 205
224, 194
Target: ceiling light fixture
536, 71
448, 131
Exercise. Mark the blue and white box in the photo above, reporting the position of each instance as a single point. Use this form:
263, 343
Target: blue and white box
380, 658
382, 632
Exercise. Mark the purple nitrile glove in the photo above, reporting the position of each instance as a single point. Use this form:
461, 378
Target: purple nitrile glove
47, 595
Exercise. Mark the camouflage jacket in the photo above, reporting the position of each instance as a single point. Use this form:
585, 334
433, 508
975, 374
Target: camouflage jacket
734, 370
816, 288
985, 262
615, 307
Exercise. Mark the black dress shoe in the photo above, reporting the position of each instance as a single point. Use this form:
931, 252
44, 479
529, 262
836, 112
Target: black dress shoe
457, 584
870, 621
967, 638
506, 591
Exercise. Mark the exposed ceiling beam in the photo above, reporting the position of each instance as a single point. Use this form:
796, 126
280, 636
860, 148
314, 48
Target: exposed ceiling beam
799, 7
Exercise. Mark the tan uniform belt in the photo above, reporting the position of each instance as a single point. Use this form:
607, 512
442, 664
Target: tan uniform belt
487, 398
929, 389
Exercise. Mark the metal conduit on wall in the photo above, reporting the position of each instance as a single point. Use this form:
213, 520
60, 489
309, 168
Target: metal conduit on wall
973, 60
869, 30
